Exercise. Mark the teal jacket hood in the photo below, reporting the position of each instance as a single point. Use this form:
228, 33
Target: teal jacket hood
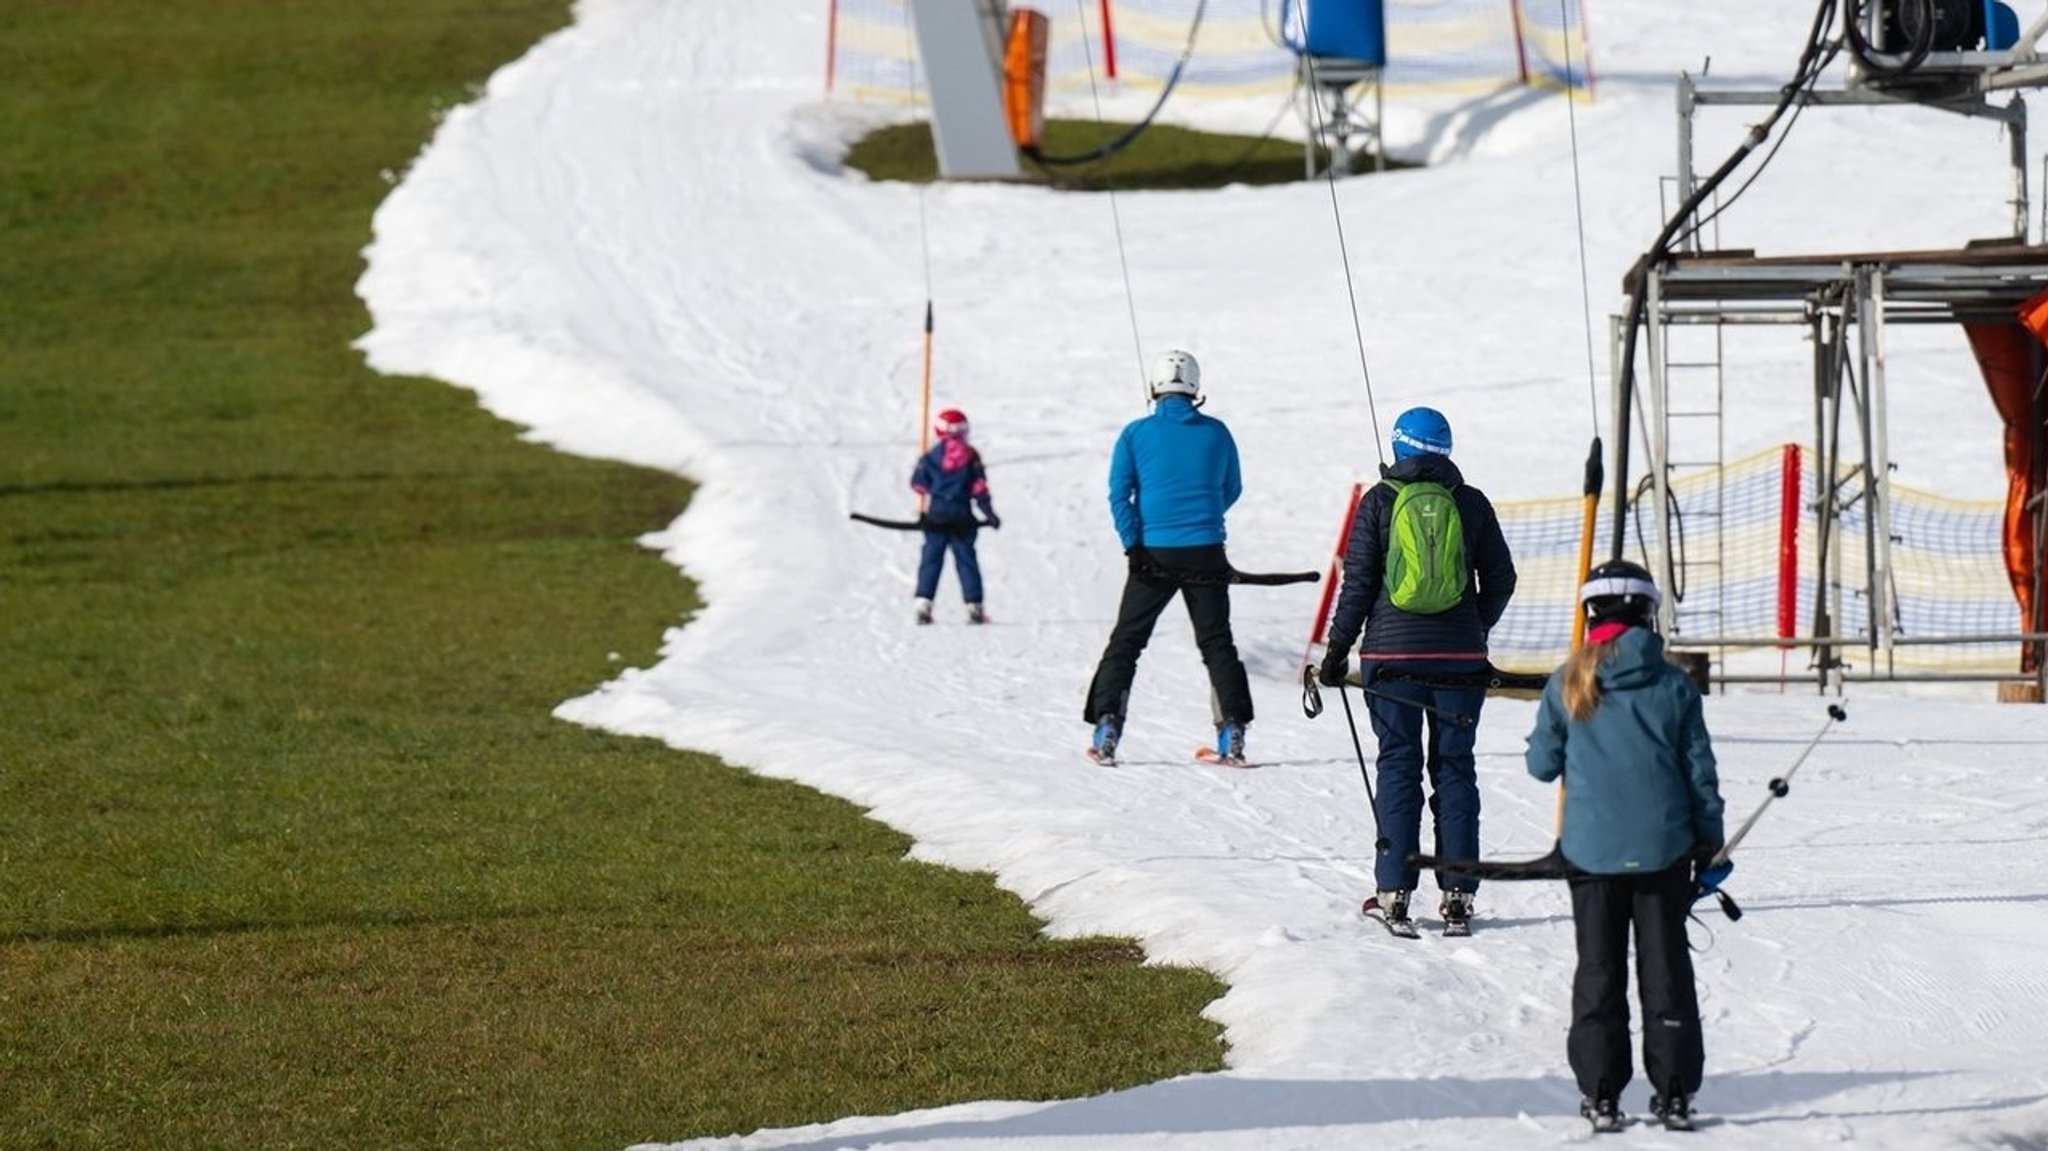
1640, 785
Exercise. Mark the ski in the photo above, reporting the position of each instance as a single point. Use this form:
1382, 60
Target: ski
1607, 1120
1400, 929
1676, 1119
1096, 756
1456, 912
1614, 1124
1211, 755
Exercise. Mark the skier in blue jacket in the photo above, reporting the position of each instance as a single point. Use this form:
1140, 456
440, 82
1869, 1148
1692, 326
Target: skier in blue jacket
953, 482
1625, 729
1172, 476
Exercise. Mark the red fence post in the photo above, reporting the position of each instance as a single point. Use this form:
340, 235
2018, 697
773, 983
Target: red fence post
1108, 44
1788, 545
831, 43
1315, 631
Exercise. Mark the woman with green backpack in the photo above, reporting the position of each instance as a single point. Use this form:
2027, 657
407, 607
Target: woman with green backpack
1427, 573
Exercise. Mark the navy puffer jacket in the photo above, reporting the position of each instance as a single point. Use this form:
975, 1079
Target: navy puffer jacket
1390, 633
951, 478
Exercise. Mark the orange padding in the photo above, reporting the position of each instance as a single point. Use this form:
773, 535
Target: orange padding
2010, 356
1024, 77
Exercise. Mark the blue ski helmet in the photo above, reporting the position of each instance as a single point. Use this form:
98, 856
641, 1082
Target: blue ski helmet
1421, 430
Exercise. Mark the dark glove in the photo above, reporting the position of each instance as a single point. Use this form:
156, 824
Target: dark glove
1707, 875
1335, 670
1141, 560
989, 518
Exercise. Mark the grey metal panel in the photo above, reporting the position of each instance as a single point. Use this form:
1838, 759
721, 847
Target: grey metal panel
960, 51
1961, 278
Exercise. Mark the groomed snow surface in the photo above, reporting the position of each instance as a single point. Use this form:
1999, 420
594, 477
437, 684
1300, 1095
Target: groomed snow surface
640, 243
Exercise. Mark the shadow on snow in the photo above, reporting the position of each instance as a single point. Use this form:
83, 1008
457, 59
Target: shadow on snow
1200, 1104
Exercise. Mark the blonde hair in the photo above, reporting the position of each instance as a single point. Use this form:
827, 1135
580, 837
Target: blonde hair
1582, 678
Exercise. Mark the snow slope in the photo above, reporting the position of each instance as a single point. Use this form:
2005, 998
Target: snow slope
639, 243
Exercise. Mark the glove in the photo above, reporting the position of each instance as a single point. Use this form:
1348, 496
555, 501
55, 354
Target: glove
1141, 560
1707, 875
1335, 670
990, 519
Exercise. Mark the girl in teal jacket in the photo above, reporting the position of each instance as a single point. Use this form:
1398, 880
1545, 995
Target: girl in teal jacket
1624, 729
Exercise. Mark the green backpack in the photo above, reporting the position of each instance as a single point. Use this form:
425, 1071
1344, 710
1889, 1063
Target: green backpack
1426, 568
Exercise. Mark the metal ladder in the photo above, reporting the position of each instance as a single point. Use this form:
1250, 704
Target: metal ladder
1693, 366
1695, 377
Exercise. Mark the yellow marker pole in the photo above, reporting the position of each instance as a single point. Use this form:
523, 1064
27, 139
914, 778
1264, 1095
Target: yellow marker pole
1594, 481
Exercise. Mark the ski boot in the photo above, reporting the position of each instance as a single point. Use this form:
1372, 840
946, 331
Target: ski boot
1604, 1114
1230, 744
924, 611
1108, 730
975, 614
1456, 910
1391, 909
1674, 1111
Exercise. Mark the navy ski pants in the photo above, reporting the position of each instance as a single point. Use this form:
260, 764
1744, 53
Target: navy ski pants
959, 541
1604, 908
1424, 730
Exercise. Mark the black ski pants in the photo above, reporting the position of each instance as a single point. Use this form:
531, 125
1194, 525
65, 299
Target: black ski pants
1182, 572
1604, 908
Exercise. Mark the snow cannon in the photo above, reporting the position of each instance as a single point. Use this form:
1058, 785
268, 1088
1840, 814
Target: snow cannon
1353, 31
1934, 25
1338, 44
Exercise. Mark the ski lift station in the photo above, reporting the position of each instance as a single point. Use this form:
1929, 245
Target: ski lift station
1811, 564
1867, 603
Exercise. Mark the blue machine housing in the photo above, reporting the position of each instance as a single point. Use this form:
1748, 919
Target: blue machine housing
1337, 29
2001, 26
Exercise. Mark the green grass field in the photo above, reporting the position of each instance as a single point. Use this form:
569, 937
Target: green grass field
291, 852
1162, 156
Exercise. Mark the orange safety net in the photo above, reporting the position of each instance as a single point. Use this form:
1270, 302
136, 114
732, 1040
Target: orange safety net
2010, 356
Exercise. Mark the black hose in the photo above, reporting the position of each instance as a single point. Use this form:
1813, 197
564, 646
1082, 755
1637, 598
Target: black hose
1921, 31
1129, 135
1811, 59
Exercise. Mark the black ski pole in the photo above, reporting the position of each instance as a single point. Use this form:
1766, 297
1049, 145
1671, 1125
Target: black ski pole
1312, 706
1779, 786
1379, 840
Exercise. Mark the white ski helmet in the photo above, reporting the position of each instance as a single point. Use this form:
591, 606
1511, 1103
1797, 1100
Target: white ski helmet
1620, 590
1175, 374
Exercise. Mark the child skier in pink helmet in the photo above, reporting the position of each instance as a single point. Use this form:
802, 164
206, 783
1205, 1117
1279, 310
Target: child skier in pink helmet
951, 478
